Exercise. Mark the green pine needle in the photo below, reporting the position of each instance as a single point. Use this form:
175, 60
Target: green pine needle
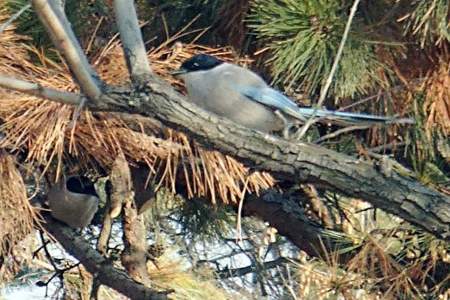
429, 20
304, 37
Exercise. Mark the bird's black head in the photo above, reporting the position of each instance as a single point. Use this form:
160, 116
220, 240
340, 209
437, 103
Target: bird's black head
199, 62
81, 185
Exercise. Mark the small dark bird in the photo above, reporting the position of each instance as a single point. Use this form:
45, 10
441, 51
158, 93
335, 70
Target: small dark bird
73, 201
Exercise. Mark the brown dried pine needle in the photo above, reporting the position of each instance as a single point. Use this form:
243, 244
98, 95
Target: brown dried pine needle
42, 128
437, 103
17, 216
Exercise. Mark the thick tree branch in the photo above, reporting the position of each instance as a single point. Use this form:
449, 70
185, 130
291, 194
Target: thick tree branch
100, 267
397, 194
285, 214
55, 21
390, 191
385, 189
134, 255
105, 233
131, 37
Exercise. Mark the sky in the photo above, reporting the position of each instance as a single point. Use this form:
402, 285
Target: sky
23, 293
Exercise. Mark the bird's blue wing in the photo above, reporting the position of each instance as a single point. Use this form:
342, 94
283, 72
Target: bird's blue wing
272, 98
277, 101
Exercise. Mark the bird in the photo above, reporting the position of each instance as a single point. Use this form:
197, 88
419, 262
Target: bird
73, 201
241, 95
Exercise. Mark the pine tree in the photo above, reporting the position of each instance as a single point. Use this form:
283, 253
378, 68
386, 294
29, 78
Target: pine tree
199, 207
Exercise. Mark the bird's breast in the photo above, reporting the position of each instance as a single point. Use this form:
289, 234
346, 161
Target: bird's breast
219, 98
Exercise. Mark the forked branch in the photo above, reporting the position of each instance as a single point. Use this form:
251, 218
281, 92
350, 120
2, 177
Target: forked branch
298, 162
289, 161
55, 21
97, 265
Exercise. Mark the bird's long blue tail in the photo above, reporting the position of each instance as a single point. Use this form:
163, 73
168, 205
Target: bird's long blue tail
272, 98
352, 117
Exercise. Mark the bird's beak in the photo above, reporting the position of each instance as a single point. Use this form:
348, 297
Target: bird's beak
178, 72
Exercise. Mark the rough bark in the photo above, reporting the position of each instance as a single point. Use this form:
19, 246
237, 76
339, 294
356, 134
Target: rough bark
287, 160
390, 191
395, 193
134, 255
105, 233
100, 267
295, 161
286, 215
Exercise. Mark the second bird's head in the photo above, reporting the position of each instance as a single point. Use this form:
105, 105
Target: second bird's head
199, 62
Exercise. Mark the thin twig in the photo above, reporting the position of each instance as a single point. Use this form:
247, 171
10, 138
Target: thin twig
341, 131
76, 115
94, 35
35, 252
377, 96
390, 146
58, 272
38, 90
95, 289
14, 17
239, 272
325, 89
239, 216
382, 93
47, 253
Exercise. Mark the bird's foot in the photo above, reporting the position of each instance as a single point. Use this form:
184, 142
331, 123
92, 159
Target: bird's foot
287, 125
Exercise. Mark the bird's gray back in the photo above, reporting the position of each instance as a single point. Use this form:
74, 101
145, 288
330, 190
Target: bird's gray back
214, 90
